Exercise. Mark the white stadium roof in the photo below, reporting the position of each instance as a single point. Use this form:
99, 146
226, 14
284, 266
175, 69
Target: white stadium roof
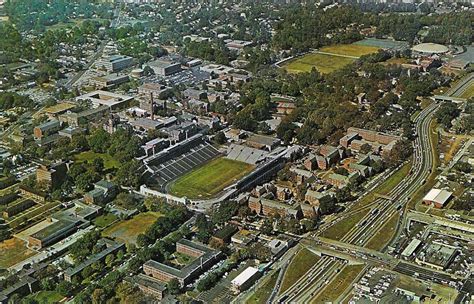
430, 48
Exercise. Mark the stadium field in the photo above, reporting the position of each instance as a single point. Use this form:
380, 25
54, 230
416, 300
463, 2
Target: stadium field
209, 179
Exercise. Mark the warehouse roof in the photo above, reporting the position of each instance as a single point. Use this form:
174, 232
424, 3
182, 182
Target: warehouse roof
438, 196
246, 275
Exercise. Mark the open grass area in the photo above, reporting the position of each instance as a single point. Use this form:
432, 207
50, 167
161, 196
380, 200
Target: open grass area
384, 235
13, 251
340, 283
300, 264
261, 295
88, 156
350, 49
127, 231
341, 228
209, 179
46, 297
469, 92
105, 220
324, 63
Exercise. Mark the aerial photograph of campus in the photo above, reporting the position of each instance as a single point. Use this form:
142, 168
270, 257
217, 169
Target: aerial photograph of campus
236, 151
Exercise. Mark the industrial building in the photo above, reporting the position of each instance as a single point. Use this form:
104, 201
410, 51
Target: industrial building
245, 279
437, 197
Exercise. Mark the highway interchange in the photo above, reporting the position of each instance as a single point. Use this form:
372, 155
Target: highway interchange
312, 283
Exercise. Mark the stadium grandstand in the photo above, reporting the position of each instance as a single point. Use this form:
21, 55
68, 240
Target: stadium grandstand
177, 160
245, 154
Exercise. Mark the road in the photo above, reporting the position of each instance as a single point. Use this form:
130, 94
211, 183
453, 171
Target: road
312, 283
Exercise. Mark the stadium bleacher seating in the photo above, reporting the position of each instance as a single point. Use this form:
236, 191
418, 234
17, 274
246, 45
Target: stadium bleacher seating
180, 165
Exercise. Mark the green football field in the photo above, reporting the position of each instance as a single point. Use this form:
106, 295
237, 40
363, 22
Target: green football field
209, 179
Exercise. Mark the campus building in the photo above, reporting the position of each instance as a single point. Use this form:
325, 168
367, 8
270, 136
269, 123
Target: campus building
204, 256
53, 175
164, 67
114, 63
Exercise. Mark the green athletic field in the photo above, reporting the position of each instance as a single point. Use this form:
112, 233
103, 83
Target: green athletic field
209, 179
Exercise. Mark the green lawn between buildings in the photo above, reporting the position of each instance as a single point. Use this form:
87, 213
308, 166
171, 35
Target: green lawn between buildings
300, 264
88, 156
128, 230
209, 179
13, 251
46, 297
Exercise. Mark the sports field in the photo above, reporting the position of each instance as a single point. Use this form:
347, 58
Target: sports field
210, 179
329, 59
127, 231
13, 251
350, 49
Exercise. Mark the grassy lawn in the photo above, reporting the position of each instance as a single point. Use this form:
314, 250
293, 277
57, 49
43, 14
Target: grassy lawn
384, 235
300, 264
182, 259
469, 92
127, 231
260, 296
105, 220
46, 297
341, 228
88, 156
322, 62
340, 283
350, 49
13, 251
210, 179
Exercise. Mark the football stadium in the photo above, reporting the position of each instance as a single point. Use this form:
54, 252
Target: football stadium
195, 169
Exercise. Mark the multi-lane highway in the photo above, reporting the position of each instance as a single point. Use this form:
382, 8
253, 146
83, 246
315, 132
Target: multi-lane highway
312, 283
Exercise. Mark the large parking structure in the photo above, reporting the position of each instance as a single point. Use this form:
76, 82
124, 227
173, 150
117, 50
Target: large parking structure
210, 179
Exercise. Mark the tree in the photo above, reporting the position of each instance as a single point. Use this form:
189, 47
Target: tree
99, 141
220, 138
65, 288
173, 286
